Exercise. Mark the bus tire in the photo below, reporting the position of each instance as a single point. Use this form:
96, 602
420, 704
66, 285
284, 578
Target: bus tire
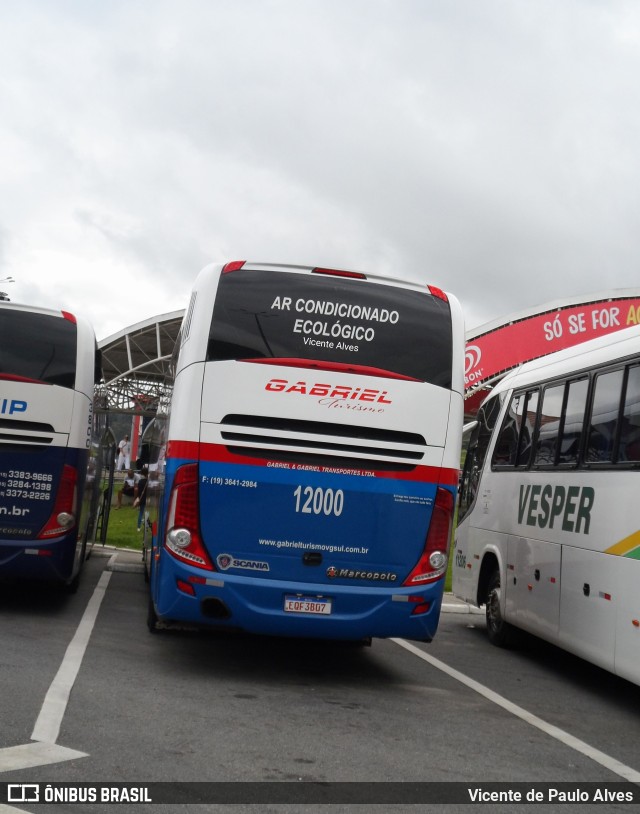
152, 617
500, 633
72, 586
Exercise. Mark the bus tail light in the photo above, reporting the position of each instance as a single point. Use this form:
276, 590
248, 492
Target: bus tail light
356, 275
63, 516
183, 540
438, 292
234, 265
432, 564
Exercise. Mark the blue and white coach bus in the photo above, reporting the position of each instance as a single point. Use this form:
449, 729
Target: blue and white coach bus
548, 533
312, 455
49, 461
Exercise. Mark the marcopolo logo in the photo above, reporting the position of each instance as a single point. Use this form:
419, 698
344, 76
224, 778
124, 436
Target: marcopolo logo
226, 561
472, 358
349, 573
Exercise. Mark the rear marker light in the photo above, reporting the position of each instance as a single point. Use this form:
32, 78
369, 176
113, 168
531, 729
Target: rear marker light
235, 265
185, 587
438, 292
357, 275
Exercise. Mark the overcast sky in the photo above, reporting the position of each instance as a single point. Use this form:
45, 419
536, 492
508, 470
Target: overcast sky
490, 147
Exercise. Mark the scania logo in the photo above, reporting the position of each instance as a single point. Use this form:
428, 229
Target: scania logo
226, 561
472, 358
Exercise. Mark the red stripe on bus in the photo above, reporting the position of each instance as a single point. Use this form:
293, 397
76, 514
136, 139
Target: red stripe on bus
12, 377
218, 453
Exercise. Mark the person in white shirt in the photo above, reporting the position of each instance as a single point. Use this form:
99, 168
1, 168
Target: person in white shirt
124, 454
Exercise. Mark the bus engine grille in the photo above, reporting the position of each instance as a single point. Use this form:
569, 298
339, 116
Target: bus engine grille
13, 431
342, 439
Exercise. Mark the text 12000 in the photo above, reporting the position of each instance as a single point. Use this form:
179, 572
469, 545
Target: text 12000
319, 500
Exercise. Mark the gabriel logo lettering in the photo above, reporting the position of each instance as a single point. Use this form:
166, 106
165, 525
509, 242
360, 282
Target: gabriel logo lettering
330, 391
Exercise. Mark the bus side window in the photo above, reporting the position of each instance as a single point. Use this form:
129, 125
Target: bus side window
97, 366
514, 444
476, 454
506, 447
571, 434
526, 431
549, 426
604, 417
629, 448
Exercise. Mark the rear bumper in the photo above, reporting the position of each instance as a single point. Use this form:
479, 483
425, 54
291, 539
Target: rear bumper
37, 559
256, 605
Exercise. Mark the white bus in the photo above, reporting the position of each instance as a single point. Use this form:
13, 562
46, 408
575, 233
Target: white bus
312, 455
49, 442
548, 533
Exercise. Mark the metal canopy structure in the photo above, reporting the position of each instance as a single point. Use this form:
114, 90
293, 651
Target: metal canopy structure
135, 362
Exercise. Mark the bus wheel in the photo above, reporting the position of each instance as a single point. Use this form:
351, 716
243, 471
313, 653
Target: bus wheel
152, 617
500, 633
72, 587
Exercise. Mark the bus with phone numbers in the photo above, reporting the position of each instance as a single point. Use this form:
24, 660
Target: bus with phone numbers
308, 465
49, 443
548, 535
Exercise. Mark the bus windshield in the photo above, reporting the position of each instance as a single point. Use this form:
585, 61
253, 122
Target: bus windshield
45, 351
291, 316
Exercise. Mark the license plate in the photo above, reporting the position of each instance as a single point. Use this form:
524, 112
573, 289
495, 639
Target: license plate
307, 604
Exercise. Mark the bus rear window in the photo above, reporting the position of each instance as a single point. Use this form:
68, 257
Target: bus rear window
266, 314
37, 346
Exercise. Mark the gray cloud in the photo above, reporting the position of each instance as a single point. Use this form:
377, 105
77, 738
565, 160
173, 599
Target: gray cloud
487, 147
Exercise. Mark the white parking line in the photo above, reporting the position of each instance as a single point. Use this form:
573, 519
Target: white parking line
30, 755
49, 720
607, 761
45, 751
47, 728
